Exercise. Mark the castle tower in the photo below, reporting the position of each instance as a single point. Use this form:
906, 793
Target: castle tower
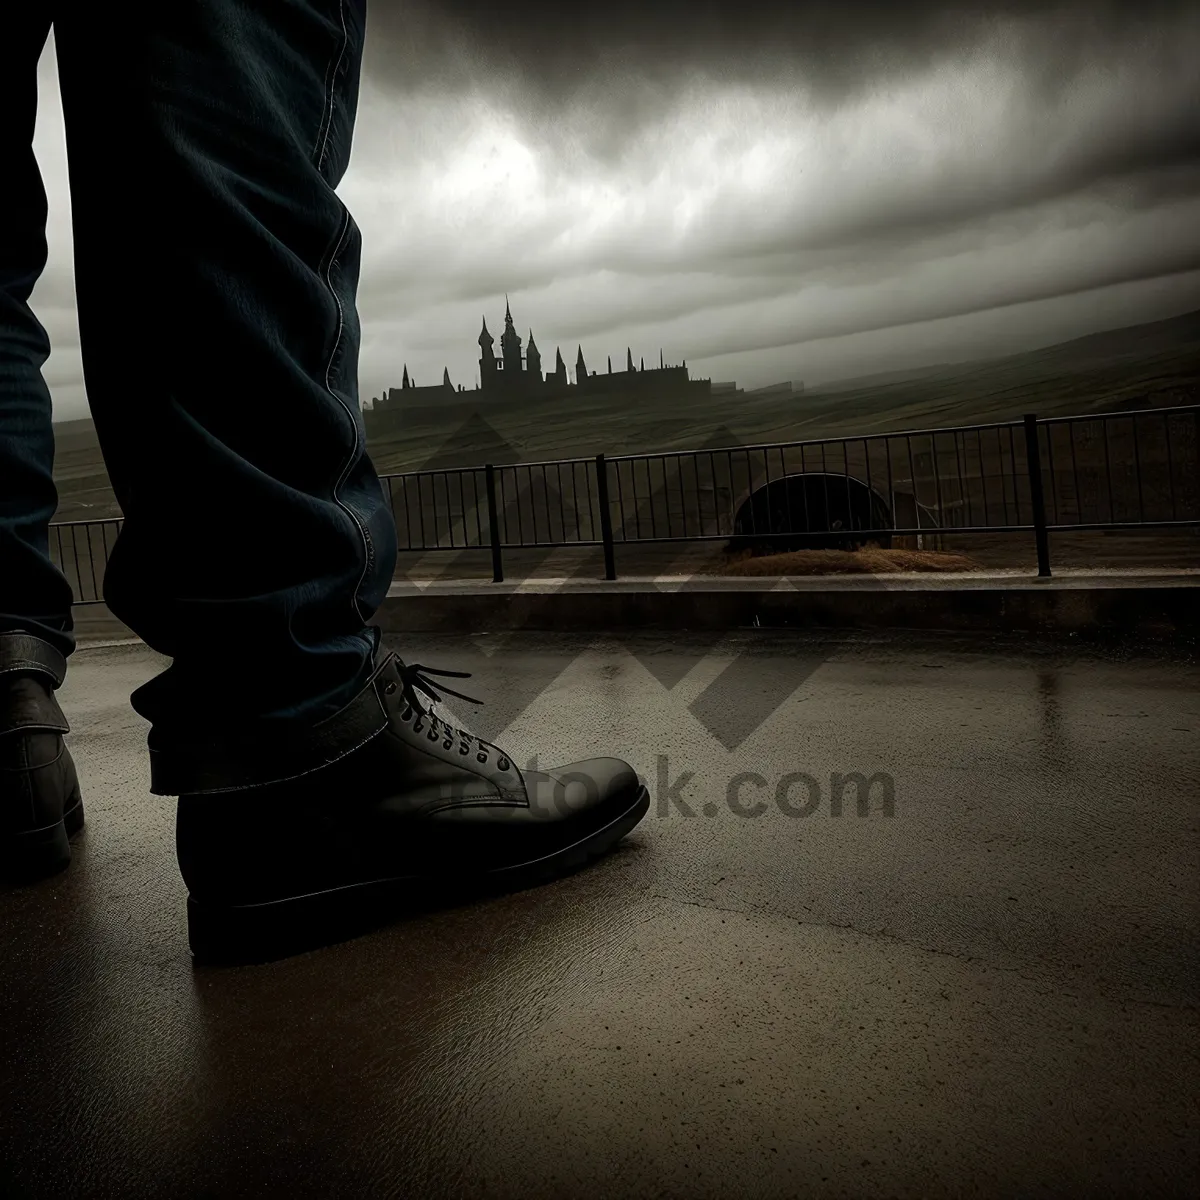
610, 364
629, 360
510, 347
560, 367
404, 383
533, 360
580, 367
487, 360
446, 379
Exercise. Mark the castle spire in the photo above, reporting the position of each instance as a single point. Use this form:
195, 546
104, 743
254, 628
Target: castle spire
404, 382
628, 359
446, 378
533, 359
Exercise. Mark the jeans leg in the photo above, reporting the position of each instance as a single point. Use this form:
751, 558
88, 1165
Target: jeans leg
216, 273
35, 596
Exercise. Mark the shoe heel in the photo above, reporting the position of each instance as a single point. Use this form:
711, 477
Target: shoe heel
26, 857
38, 853
228, 935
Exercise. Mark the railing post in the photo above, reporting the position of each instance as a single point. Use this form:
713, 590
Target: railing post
1033, 459
606, 533
494, 525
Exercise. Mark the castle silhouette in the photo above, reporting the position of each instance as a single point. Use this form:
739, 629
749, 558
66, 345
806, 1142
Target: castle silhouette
517, 374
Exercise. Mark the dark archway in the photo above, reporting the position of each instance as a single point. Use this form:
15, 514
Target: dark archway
807, 504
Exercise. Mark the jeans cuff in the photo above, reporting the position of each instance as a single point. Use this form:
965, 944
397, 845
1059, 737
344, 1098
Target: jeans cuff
236, 763
24, 652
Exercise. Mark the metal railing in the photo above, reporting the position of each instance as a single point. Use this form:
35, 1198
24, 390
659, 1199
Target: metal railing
80, 549
1135, 470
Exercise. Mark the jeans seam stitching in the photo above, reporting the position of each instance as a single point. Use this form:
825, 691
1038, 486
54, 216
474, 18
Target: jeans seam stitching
331, 71
368, 548
323, 143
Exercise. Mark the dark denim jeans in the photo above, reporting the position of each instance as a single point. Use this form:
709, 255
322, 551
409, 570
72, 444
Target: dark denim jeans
216, 272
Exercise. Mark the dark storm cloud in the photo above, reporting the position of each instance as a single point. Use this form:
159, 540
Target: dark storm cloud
587, 76
555, 48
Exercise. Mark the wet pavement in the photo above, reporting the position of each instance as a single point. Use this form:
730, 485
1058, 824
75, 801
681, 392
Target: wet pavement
992, 991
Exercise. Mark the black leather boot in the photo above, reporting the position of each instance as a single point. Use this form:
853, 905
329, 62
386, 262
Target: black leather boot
40, 806
418, 809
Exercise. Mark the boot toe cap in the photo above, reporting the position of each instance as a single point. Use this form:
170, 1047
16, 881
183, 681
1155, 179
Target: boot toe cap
587, 785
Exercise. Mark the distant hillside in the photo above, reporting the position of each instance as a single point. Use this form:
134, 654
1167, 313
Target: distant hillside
1141, 365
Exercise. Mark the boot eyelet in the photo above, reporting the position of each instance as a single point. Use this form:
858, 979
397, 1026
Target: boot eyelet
447, 744
404, 716
418, 726
389, 688
503, 764
481, 757
464, 749
433, 735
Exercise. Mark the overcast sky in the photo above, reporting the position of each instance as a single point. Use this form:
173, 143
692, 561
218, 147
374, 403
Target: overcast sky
769, 191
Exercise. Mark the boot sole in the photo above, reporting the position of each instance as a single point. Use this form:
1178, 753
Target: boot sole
38, 853
249, 933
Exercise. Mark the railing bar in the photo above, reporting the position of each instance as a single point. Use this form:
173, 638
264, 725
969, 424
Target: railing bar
987, 516
887, 449
963, 493
75, 555
621, 503
587, 479
733, 492
1053, 473
650, 498
475, 503
825, 481
1075, 473
92, 563
849, 501
937, 480
1003, 476
804, 489
1170, 466
787, 489
1137, 466
682, 496
1012, 458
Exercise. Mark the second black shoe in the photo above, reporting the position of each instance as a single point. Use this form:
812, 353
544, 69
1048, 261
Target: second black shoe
420, 806
40, 805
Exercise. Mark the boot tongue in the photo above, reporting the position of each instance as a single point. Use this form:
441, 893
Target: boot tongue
443, 712
27, 702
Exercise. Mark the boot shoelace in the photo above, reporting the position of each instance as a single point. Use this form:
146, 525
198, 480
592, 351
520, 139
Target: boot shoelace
414, 677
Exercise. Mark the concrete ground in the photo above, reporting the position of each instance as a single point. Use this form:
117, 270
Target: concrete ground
991, 992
